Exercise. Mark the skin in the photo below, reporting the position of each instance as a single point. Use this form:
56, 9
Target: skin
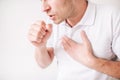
71, 11
65, 10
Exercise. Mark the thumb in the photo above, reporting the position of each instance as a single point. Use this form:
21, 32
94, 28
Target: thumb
85, 38
49, 28
48, 32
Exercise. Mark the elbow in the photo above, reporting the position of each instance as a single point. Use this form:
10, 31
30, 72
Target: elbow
43, 66
116, 76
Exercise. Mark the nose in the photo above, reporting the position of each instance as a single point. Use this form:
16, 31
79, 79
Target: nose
45, 7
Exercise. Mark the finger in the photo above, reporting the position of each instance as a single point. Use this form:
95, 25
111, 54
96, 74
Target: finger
35, 36
41, 23
85, 38
37, 27
32, 37
42, 32
70, 41
49, 27
33, 32
48, 31
66, 40
66, 46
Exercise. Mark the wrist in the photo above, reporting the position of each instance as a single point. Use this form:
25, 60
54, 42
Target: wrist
93, 61
41, 49
42, 45
97, 63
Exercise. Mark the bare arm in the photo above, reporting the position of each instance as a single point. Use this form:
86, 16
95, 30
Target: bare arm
39, 34
44, 56
111, 68
83, 53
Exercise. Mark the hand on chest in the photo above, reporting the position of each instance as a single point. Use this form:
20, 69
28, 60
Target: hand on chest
100, 42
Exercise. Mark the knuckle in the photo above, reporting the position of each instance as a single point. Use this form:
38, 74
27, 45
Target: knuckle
38, 34
39, 22
39, 28
35, 38
36, 27
31, 38
33, 25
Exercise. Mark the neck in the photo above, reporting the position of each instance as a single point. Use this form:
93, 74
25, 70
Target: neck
79, 12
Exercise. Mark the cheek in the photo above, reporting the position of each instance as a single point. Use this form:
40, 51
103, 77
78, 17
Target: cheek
57, 5
60, 8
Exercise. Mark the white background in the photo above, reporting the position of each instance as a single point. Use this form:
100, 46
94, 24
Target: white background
17, 60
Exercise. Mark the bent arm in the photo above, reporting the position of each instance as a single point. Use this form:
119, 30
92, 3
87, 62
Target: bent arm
44, 56
108, 67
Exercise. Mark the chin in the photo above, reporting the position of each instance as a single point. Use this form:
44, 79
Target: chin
58, 21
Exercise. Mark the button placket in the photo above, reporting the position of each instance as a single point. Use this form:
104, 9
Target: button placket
68, 31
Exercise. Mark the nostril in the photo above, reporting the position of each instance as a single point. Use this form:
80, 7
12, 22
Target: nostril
45, 8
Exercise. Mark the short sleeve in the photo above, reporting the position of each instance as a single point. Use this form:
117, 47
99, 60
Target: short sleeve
116, 34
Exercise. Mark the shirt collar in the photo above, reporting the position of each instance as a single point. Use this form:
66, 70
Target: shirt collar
88, 18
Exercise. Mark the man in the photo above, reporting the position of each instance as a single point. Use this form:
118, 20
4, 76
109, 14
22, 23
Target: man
86, 41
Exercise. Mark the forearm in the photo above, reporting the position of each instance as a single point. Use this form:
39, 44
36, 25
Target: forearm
43, 56
108, 67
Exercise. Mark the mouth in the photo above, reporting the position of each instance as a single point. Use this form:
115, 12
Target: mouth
52, 17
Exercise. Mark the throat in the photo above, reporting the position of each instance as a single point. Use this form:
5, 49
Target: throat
78, 15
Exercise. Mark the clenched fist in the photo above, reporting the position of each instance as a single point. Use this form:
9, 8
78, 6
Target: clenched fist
39, 33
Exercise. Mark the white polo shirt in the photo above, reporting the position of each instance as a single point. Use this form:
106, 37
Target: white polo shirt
102, 26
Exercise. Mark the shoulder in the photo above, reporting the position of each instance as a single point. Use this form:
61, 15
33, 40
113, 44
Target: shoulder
108, 12
105, 9
109, 15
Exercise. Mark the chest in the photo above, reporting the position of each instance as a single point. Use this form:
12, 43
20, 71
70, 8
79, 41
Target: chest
100, 40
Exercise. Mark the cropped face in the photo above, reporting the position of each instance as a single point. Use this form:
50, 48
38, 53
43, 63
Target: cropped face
58, 10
